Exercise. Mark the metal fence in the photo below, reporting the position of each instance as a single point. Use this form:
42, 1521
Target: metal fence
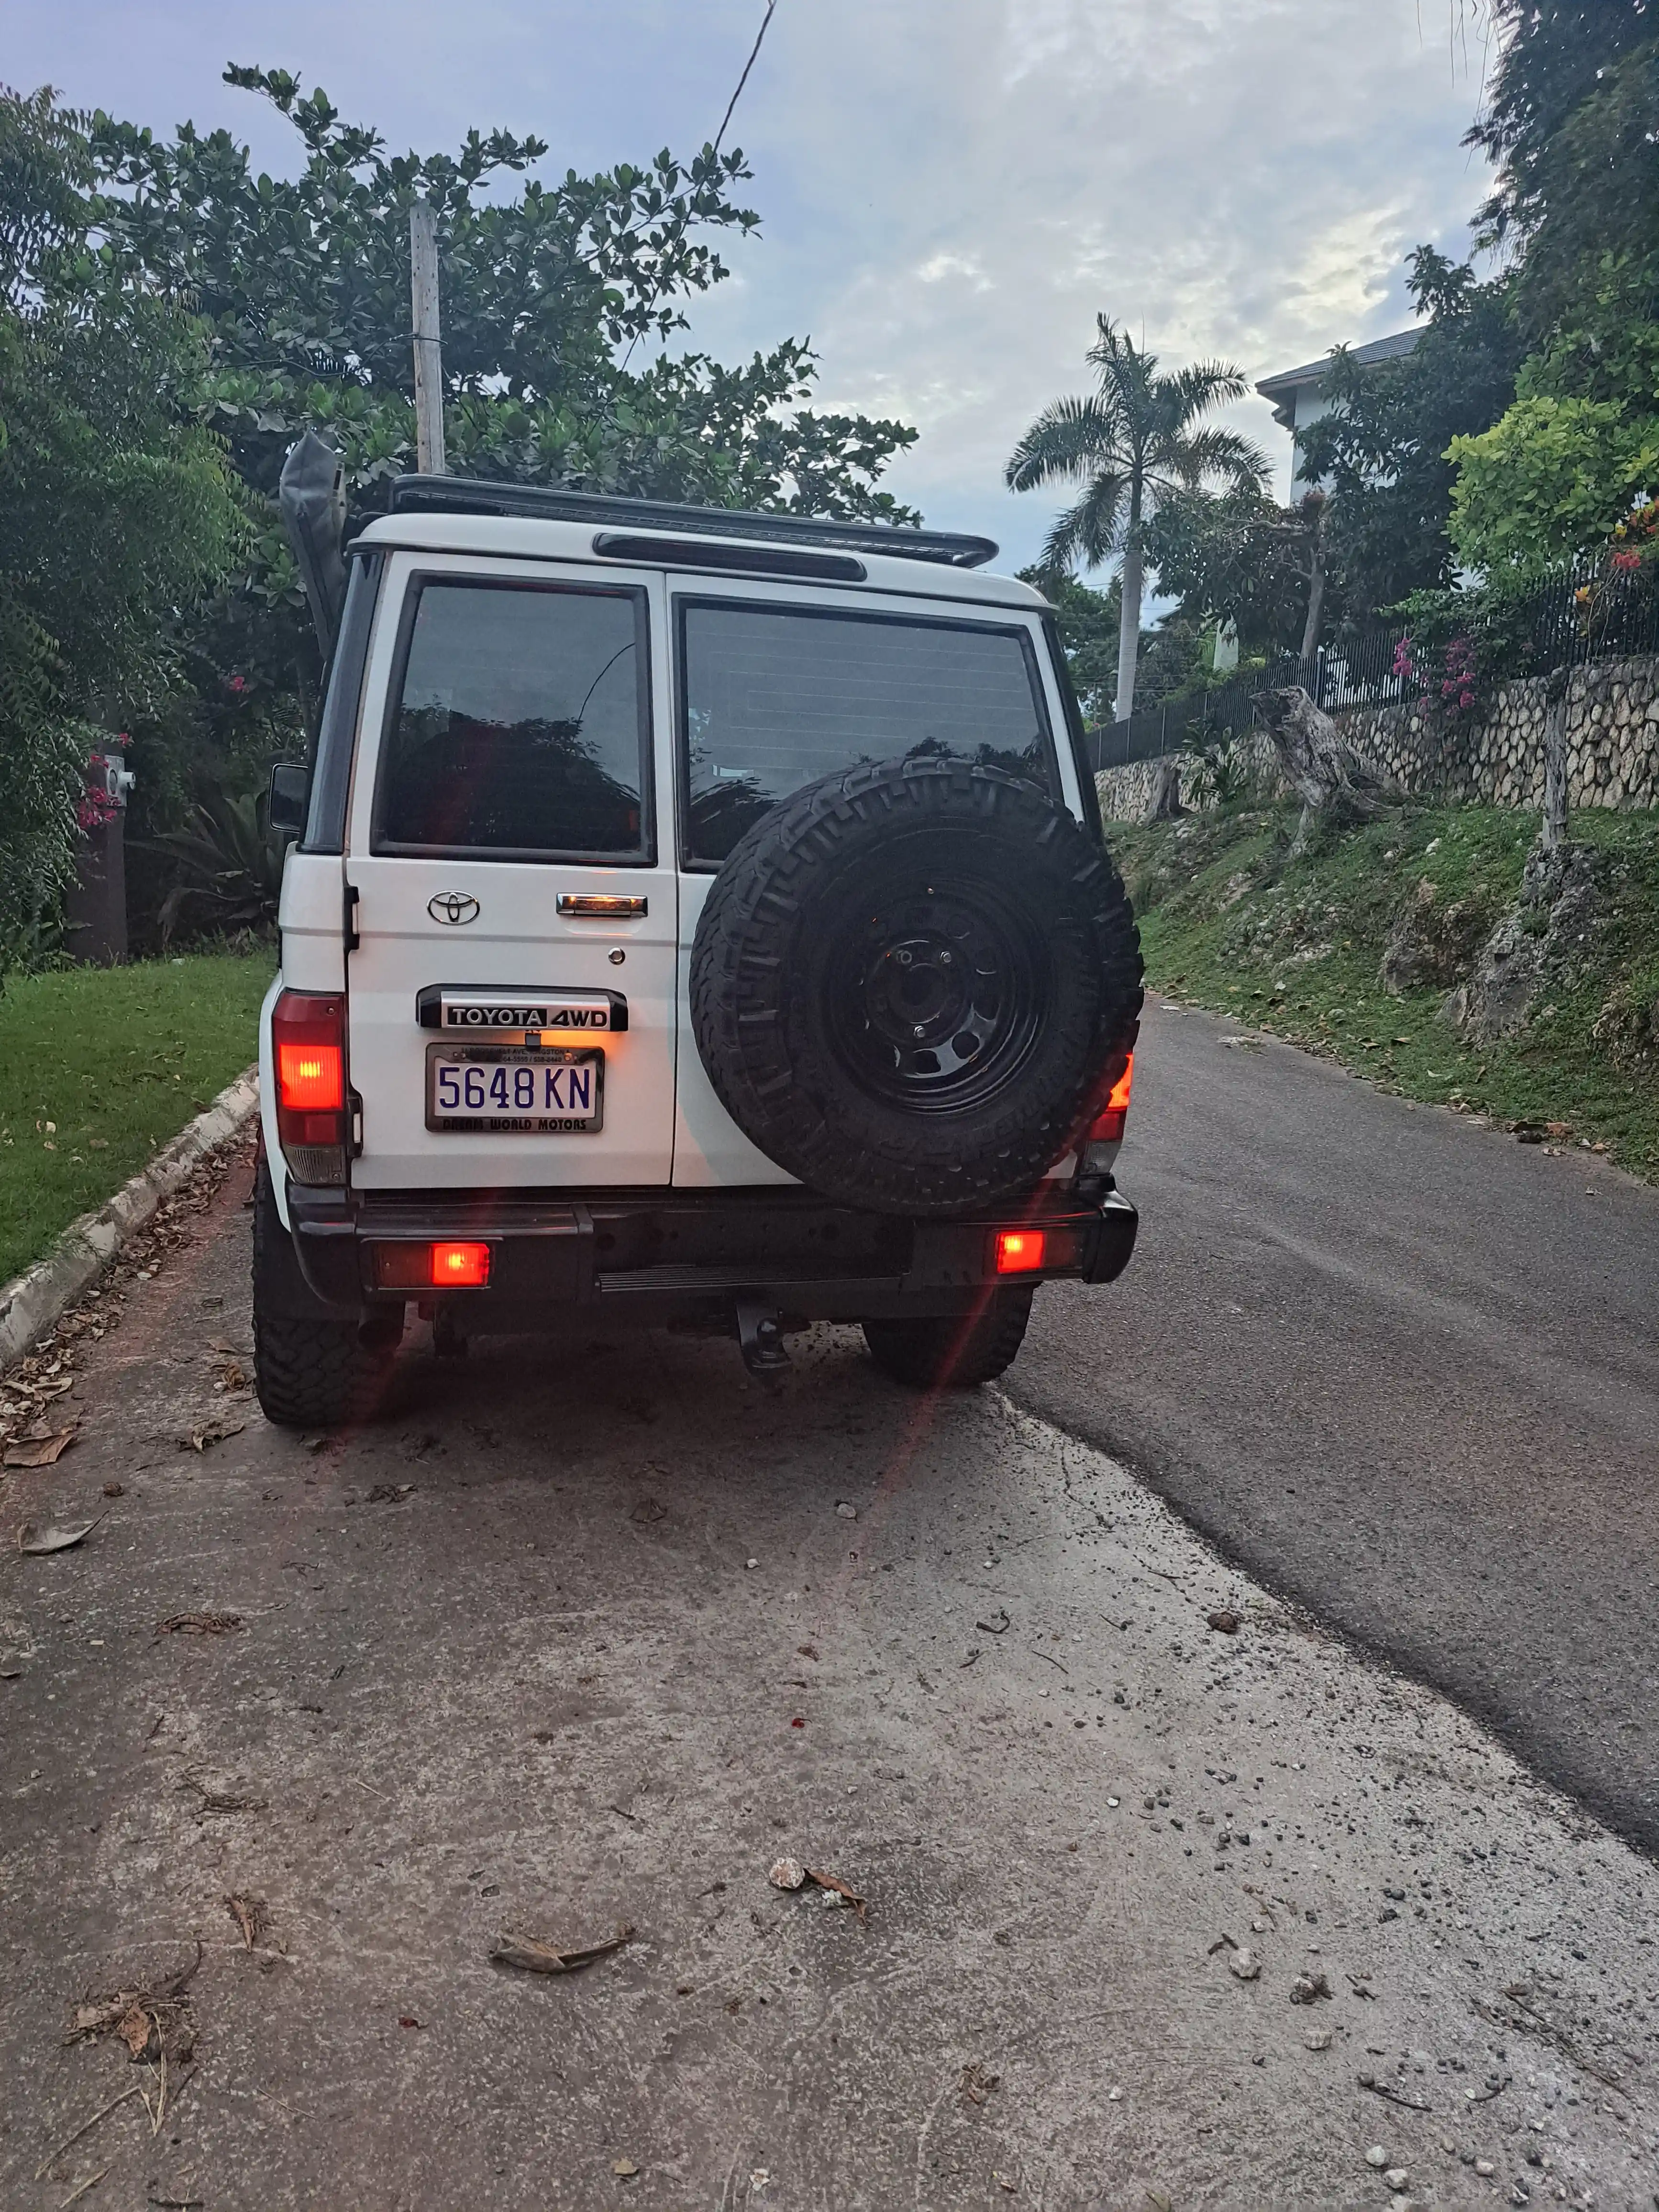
1366, 666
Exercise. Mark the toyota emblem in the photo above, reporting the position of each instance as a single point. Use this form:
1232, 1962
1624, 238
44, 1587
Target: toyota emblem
452, 908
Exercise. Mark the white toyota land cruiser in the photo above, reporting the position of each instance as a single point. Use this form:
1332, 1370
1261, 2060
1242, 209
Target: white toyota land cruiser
698, 918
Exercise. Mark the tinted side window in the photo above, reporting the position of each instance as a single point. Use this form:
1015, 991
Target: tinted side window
521, 724
774, 697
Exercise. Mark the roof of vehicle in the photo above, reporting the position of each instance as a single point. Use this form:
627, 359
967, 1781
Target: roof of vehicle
461, 515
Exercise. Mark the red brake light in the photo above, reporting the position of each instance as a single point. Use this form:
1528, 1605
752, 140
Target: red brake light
1019, 1251
462, 1267
311, 1077
307, 1033
432, 1267
1107, 1127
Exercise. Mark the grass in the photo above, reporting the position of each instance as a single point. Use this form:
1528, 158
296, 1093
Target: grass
99, 1067
1229, 920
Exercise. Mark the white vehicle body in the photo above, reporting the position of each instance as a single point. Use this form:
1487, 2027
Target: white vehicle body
663, 1124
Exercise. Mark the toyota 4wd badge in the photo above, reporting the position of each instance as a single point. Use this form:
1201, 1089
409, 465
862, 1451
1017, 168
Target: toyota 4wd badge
452, 908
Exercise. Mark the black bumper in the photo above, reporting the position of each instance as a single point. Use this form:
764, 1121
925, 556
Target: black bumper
679, 1255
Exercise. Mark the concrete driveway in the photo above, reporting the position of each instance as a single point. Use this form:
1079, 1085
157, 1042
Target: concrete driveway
588, 1638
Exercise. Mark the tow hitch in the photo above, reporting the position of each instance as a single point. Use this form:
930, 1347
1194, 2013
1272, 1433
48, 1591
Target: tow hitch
760, 1339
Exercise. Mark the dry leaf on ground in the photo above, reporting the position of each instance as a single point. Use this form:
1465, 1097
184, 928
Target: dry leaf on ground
841, 1889
538, 1957
211, 1433
198, 1624
37, 1542
40, 1451
250, 1914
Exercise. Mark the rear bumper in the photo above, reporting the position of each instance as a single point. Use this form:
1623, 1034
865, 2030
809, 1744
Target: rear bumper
680, 1256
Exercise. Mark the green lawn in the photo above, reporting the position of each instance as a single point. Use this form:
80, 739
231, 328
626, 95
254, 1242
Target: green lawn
99, 1067
1229, 920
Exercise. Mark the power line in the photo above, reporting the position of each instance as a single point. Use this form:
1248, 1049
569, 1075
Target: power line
744, 79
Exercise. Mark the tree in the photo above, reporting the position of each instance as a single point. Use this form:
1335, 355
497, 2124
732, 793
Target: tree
1132, 445
118, 510
1381, 451
1552, 479
1088, 621
1570, 123
1242, 559
548, 297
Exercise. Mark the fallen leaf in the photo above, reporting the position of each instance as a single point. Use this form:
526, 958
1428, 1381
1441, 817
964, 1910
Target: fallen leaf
40, 1451
390, 1493
198, 1624
1223, 1621
38, 1542
212, 1432
535, 1957
137, 2029
841, 1889
977, 2084
624, 2167
115, 1489
250, 1915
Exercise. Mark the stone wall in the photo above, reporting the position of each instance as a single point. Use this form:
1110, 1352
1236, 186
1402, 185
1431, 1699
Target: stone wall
1496, 760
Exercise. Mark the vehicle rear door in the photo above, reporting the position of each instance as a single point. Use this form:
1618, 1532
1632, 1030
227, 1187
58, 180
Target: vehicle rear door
511, 886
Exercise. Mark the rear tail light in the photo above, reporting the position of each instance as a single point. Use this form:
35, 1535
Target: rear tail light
459, 1267
1107, 1127
1035, 1251
308, 1035
1020, 1251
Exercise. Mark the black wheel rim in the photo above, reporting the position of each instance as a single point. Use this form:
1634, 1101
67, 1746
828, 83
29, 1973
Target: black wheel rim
936, 998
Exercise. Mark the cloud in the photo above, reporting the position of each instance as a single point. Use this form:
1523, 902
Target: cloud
952, 189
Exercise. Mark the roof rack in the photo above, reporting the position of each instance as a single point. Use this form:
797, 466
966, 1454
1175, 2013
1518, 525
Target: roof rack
479, 495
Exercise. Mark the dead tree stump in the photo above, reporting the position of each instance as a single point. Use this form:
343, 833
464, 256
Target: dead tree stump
1330, 779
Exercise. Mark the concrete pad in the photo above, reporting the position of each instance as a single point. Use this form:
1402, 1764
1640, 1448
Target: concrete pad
579, 1636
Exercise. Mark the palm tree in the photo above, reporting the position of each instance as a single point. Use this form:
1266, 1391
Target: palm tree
1130, 445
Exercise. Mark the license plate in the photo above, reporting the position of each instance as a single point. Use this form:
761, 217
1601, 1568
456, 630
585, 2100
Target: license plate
504, 1090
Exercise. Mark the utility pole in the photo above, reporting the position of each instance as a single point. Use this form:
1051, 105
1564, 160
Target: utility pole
428, 350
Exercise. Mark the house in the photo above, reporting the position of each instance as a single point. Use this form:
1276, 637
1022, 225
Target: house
1298, 394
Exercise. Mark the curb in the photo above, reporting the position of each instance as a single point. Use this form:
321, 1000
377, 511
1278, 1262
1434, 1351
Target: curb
31, 1303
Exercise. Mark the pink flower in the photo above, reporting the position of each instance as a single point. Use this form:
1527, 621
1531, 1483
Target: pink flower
1627, 558
237, 684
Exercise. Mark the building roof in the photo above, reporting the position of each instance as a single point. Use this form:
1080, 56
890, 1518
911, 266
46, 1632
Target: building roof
1283, 388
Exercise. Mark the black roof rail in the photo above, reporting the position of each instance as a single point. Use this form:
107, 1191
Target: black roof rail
479, 495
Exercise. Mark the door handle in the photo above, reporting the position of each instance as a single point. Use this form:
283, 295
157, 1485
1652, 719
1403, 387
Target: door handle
601, 906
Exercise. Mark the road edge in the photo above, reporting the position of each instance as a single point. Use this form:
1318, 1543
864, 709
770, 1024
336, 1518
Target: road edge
32, 1302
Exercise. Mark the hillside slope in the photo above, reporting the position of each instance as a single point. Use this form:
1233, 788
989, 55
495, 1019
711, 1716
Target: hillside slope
1300, 947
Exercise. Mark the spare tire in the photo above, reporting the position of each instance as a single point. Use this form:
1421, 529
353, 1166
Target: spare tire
910, 982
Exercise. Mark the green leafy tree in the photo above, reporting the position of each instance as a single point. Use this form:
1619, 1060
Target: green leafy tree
1088, 621
1554, 479
1571, 123
1242, 559
548, 297
118, 510
1136, 441
1381, 451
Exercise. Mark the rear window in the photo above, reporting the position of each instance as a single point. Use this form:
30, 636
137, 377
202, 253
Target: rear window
775, 698
521, 725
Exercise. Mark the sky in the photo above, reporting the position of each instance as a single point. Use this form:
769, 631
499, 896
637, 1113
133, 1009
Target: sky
951, 190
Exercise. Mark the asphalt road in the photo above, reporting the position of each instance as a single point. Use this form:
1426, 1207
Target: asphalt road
579, 1636
1403, 1370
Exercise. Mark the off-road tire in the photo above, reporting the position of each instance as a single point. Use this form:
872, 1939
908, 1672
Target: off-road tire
312, 1371
803, 1018
318, 1374
955, 1354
